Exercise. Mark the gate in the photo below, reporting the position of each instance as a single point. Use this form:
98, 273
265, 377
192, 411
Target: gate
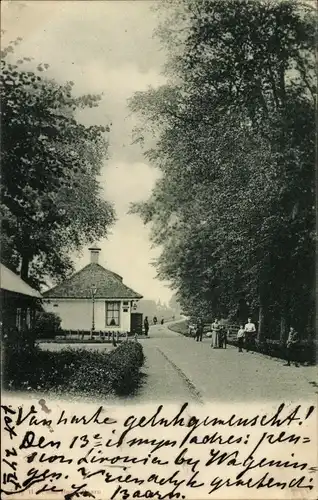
136, 323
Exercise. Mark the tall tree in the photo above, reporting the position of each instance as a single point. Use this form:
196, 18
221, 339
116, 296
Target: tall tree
234, 208
51, 201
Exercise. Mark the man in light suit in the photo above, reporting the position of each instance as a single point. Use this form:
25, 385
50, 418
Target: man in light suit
250, 332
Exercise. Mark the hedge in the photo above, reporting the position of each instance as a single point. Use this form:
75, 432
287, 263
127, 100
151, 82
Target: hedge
74, 371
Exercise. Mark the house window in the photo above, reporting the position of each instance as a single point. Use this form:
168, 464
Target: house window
112, 313
18, 318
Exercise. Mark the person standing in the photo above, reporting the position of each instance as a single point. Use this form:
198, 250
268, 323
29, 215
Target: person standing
240, 338
224, 337
155, 320
194, 330
199, 332
215, 334
250, 331
146, 325
292, 345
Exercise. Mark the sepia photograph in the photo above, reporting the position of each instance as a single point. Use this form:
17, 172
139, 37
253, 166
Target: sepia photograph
158, 239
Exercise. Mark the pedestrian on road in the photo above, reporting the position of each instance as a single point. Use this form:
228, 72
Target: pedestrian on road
222, 337
194, 329
292, 345
215, 334
162, 321
146, 325
250, 332
240, 338
199, 332
155, 320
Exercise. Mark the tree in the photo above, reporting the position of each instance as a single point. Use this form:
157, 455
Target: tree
51, 203
47, 325
235, 128
174, 303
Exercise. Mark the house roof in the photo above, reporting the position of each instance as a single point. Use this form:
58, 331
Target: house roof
13, 283
108, 285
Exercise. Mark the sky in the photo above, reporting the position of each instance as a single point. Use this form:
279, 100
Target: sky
103, 46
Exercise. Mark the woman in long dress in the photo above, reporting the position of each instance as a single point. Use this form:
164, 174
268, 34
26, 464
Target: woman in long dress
215, 334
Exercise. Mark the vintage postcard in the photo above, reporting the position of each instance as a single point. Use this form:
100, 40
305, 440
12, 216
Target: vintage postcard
158, 243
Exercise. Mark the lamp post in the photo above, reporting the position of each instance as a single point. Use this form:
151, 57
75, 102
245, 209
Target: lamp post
134, 307
94, 290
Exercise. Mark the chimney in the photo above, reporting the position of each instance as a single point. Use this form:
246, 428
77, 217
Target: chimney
94, 254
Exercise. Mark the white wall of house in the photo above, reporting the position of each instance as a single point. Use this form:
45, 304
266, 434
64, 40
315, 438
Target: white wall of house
76, 314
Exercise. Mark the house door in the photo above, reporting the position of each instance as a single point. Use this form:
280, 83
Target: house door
136, 323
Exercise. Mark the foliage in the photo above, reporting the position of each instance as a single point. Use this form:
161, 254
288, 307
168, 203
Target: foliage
126, 362
174, 303
235, 128
19, 340
51, 203
47, 325
74, 371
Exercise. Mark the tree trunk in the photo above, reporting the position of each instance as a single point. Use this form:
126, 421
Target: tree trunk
24, 273
261, 322
283, 326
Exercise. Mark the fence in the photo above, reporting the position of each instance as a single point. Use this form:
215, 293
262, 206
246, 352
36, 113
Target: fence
96, 336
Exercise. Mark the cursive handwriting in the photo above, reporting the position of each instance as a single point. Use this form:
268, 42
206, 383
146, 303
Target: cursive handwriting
156, 455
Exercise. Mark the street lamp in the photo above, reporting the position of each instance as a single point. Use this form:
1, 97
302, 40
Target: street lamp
94, 290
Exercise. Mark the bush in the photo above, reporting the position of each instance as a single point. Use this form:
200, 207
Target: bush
92, 374
126, 361
74, 371
47, 325
28, 367
19, 339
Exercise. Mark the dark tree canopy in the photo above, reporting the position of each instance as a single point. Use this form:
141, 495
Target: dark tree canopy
235, 143
51, 201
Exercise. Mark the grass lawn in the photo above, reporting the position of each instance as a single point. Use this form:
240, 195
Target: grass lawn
180, 327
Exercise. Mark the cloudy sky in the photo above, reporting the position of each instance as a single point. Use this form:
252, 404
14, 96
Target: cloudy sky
103, 46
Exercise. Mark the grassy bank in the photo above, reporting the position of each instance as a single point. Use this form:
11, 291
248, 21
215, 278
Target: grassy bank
180, 327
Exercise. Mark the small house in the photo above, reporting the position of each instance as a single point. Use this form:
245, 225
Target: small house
93, 299
19, 302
